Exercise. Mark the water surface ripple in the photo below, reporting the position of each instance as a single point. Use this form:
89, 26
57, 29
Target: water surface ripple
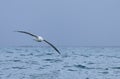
73, 63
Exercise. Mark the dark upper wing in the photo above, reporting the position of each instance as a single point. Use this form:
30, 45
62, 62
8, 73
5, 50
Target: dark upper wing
27, 33
52, 46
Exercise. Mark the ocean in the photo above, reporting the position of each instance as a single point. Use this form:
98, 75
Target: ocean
73, 63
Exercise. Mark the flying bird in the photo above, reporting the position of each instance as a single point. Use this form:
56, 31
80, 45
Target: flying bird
39, 39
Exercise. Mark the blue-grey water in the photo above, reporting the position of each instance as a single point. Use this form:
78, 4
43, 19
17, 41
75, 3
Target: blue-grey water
73, 63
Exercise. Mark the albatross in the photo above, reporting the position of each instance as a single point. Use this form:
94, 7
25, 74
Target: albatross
39, 39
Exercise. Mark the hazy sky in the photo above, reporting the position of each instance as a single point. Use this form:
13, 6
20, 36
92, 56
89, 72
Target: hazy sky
62, 22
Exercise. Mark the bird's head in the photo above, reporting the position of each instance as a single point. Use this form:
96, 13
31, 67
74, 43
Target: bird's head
40, 38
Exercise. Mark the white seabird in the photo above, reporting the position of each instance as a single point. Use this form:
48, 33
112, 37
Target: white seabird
40, 39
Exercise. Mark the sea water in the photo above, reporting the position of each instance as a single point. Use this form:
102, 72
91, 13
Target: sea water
73, 63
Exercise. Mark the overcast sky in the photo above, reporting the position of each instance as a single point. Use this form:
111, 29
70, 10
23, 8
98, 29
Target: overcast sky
62, 22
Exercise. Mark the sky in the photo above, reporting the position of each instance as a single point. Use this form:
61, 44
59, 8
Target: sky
61, 22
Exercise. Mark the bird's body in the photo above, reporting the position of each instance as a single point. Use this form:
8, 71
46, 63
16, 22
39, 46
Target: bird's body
39, 39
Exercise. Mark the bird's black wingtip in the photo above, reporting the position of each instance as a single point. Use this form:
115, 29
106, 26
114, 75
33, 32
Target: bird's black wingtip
59, 52
16, 31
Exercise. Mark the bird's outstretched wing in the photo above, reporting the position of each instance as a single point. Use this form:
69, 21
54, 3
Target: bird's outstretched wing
27, 33
52, 46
